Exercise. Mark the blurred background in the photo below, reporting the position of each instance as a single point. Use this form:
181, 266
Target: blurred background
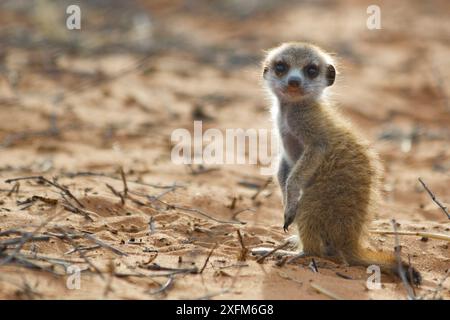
113, 91
110, 94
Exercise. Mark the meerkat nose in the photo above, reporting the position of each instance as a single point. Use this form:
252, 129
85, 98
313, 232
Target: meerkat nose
294, 82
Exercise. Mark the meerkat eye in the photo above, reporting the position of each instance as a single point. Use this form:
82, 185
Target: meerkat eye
281, 68
312, 70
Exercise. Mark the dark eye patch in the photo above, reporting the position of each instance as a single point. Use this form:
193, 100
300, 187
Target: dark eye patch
280, 68
311, 70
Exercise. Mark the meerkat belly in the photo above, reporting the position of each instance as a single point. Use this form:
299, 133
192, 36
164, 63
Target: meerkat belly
341, 186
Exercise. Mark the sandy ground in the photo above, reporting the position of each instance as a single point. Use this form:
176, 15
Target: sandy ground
78, 108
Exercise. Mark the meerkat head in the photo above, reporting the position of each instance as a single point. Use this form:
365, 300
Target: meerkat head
297, 71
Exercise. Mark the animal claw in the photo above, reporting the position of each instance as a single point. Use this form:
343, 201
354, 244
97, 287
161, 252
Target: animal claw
289, 217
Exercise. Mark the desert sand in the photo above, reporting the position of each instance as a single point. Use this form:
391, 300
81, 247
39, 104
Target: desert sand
92, 110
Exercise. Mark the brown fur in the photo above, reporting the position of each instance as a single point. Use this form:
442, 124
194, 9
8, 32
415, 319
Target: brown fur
338, 174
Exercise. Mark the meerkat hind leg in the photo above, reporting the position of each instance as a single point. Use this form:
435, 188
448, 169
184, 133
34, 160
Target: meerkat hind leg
293, 242
297, 256
261, 251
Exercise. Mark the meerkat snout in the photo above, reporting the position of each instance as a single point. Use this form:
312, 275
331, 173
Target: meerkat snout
296, 71
294, 82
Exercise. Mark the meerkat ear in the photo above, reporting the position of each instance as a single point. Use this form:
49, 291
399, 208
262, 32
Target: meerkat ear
330, 74
265, 71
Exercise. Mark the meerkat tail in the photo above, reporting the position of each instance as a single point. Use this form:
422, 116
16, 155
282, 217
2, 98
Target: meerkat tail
386, 261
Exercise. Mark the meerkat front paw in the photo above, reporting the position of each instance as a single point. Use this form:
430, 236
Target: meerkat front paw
291, 207
289, 215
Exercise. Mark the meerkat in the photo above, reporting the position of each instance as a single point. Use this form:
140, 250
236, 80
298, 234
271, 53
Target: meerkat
328, 174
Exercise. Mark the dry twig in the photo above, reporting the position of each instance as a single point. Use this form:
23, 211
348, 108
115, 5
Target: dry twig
433, 197
33, 199
234, 217
164, 287
116, 193
104, 245
25, 238
401, 271
83, 256
207, 258
244, 251
42, 179
14, 189
430, 235
264, 186
200, 212
313, 266
70, 207
125, 186
100, 174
